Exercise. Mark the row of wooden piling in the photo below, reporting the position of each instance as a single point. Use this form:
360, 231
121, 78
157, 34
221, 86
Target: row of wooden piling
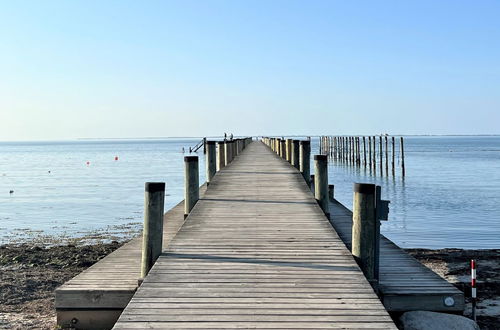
218, 155
368, 207
298, 154
369, 152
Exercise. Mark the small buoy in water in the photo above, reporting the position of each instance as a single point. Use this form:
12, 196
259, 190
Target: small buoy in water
49, 172
88, 163
11, 192
116, 157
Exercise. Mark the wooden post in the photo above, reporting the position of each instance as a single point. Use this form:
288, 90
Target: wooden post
370, 152
364, 151
321, 182
358, 151
152, 235
349, 149
289, 150
204, 145
295, 154
402, 158
386, 157
211, 161
344, 150
335, 148
283, 148
233, 151
374, 155
364, 228
191, 183
305, 160
393, 156
228, 152
381, 156
221, 159
353, 151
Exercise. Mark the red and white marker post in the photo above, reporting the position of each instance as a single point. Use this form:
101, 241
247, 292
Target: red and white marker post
473, 287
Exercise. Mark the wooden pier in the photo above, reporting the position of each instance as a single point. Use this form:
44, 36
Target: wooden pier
256, 252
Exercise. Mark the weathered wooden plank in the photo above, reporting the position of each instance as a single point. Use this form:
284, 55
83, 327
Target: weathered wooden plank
405, 284
256, 252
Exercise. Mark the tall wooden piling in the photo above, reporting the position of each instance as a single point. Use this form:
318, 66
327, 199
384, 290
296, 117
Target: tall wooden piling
321, 182
403, 172
393, 156
374, 155
364, 228
364, 151
283, 148
305, 160
353, 150
295, 154
228, 152
289, 150
370, 151
221, 159
331, 192
381, 156
152, 235
211, 161
386, 157
191, 183
358, 151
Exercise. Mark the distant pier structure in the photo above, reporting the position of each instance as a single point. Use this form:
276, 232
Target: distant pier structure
375, 153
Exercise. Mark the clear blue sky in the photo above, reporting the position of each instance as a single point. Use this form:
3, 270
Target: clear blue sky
72, 69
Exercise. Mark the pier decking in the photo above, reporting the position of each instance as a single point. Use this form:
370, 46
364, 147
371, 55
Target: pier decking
95, 298
256, 252
405, 284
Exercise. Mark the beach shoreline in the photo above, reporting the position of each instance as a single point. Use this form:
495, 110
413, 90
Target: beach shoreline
29, 274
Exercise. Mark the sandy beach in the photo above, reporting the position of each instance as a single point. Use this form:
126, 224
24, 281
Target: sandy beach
30, 273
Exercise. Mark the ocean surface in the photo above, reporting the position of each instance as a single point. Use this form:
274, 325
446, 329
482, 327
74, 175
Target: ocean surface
450, 196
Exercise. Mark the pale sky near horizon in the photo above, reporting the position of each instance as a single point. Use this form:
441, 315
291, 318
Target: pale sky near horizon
90, 69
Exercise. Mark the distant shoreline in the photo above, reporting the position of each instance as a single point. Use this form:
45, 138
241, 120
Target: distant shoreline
160, 138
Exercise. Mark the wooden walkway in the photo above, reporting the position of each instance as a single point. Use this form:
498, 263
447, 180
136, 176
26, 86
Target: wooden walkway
256, 252
96, 297
405, 284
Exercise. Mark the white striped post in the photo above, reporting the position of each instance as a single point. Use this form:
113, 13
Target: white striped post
473, 287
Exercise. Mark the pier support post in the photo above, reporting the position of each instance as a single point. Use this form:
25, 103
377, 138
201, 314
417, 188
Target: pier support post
305, 160
283, 148
289, 150
221, 159
152, 236
365, 229
403, 173
191, 183
321, 182
295, 154
211, 161
227, 152
331, 192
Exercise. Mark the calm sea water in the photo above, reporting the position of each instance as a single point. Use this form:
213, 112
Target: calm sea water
449, 198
